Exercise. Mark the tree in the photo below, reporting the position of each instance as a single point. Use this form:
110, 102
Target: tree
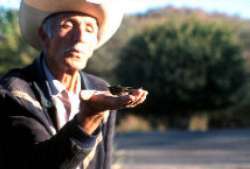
188, 67
14, 52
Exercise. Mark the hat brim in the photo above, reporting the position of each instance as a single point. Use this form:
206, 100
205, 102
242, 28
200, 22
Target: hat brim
33, 12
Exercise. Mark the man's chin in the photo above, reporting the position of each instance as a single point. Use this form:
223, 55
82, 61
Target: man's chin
76, 65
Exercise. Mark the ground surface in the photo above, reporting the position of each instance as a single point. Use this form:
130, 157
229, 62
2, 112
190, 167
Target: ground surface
216, 149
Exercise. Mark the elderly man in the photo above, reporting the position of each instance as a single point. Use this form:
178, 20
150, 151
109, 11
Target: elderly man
55, 116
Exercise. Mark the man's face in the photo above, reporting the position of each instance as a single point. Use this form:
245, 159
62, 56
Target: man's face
71, 42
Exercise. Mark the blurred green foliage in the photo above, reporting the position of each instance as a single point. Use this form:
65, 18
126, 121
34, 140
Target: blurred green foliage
14, 52
188, 67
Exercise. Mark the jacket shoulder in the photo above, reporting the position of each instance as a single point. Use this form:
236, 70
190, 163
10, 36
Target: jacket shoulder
97, 82
16, 87
16, 80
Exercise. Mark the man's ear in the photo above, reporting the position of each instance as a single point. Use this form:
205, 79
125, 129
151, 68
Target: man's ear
43, 38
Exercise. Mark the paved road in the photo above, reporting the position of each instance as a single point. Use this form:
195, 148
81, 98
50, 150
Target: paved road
218, 149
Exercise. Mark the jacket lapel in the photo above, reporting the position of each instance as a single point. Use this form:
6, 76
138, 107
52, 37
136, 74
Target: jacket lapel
39, 85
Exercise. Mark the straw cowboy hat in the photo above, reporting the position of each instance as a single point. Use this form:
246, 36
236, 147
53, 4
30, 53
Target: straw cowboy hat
33, 12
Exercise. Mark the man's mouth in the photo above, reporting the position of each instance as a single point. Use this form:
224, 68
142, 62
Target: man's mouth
74, 50
78, 49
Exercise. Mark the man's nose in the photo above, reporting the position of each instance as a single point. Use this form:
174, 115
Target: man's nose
80, 34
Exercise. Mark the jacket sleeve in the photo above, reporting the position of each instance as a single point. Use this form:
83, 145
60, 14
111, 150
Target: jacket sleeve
26, 144
109, 131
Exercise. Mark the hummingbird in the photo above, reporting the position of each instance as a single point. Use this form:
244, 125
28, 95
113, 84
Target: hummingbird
120, 90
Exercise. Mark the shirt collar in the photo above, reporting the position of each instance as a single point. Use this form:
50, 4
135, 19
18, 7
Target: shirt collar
55, 85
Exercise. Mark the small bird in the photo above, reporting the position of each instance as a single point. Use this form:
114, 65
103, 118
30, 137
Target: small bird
120, 90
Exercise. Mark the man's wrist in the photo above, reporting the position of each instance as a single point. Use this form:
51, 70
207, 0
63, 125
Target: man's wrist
89, 125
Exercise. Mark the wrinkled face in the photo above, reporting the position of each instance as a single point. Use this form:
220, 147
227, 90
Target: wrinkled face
69, 40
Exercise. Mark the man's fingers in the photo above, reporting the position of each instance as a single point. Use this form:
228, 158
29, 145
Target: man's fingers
136, 92
140, 99
103, 100
113, 102
125, 100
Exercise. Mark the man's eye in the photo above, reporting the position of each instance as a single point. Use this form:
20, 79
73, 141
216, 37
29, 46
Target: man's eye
66, 25
89, 29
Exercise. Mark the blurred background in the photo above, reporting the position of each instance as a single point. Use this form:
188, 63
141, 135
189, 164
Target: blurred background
193, 56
